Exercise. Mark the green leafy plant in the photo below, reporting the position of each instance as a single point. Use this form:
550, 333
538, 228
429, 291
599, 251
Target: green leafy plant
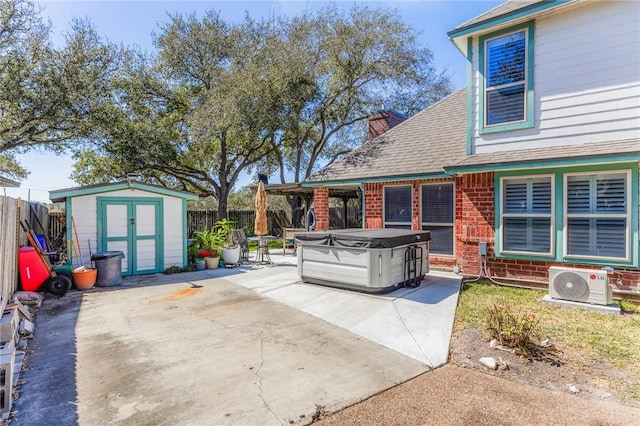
209, 242
223, 229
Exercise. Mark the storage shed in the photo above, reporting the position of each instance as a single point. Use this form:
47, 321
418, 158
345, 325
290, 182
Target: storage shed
148, 223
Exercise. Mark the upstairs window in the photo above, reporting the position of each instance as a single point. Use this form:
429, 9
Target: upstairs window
398, 202
505, 62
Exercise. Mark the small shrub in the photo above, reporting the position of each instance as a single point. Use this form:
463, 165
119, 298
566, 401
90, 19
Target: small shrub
173, 270
512, 329
519, 331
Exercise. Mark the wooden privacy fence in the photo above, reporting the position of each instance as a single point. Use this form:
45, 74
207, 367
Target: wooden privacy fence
200, 220
12, 236
277, 220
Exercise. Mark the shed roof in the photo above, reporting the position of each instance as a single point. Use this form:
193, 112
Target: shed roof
419, 146
61, 194
8, 183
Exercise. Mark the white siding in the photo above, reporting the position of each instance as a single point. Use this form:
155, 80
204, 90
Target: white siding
173, 236
587, 79
85, 214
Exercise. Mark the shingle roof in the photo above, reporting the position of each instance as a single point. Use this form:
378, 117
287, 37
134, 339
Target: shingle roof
585, 150
500, 10
422, 145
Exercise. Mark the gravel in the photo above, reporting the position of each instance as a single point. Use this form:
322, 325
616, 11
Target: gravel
453, 395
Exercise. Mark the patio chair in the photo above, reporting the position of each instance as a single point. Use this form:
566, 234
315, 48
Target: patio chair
289, 239
240, 238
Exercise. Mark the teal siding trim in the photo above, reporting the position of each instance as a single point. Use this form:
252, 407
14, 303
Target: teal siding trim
558, 219
470, 88
518, 14
185, 257
529, 103
376, 179
100, 189
567, 162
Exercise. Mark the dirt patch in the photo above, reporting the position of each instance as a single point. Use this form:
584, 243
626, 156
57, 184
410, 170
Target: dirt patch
586, 377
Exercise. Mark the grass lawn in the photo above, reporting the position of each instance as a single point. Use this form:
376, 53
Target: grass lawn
585, 336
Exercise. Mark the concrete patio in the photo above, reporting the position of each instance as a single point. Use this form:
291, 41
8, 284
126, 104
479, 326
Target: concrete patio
228, 346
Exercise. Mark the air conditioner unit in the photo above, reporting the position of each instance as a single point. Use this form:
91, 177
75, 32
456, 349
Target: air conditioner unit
580, 285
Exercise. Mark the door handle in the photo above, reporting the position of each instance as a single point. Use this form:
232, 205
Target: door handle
132, 221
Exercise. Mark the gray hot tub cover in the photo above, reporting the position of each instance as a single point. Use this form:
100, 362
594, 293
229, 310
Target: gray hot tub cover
363, 238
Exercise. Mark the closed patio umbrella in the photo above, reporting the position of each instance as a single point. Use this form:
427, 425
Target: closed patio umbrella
260, 226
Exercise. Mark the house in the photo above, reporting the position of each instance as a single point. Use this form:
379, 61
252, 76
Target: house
148, 223
535, 162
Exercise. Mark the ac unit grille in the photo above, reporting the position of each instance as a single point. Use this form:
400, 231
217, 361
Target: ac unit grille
570, 285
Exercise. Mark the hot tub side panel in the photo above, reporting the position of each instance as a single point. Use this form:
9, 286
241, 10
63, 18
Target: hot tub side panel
368, 270
325, 264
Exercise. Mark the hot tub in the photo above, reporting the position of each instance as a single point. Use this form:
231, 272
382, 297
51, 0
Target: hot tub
368, 260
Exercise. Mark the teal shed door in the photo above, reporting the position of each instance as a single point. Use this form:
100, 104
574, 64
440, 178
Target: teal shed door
133, 226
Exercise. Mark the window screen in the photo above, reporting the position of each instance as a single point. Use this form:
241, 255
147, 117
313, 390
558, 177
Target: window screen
438, 216
397, 206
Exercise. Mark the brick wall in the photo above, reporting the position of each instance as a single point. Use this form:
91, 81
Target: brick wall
321, 207
382, 121
475, 219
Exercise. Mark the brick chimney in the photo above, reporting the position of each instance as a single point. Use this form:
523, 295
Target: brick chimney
381, 121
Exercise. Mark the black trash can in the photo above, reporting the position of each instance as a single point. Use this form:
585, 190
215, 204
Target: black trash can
109, 266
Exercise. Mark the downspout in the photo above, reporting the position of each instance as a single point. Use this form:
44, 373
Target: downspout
364, 225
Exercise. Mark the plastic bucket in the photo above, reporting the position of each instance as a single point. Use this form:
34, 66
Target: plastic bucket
109, 266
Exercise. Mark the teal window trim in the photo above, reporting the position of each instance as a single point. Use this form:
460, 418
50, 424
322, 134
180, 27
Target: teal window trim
559, 224
498, 185
594, 214
528, 121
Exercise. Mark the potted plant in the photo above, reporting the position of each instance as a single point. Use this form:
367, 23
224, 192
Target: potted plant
231, 251
208, 243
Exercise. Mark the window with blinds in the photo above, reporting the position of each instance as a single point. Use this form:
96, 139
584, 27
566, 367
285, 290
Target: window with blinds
597, 215
437, 216
398, 202
505, 79
527, 215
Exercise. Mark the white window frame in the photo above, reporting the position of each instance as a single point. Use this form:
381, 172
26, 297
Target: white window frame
384, 206
627, 215
452, 224
550, 215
